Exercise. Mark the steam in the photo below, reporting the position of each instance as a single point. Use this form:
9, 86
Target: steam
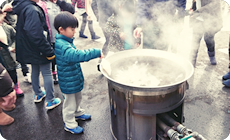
137, 75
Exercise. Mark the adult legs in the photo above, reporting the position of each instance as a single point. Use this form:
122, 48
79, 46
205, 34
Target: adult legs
95, 9
90, 26
82, 29
210, 43
196, 38
14, 77
226, 77
47, 78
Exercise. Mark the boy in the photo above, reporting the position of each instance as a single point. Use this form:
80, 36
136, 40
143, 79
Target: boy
33, 47
71, 79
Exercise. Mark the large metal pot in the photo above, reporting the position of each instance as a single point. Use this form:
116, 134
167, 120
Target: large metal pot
134, 107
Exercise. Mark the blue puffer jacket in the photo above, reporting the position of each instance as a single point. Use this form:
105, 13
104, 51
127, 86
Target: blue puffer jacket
68, 59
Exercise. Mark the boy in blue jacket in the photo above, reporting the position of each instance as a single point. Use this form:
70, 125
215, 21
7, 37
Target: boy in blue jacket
71, 79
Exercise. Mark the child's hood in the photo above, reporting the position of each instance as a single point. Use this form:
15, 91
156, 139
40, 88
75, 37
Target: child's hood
19, 5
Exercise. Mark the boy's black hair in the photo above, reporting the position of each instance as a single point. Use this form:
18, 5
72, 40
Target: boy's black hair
65, 19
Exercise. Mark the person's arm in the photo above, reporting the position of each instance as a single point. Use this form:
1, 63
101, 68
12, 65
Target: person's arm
34, 30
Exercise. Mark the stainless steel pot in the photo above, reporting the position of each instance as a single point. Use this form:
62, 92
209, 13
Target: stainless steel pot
134, 107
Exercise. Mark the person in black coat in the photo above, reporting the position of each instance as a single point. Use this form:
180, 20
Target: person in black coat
33, 47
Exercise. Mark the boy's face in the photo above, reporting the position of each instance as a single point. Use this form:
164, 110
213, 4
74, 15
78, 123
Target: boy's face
68, 32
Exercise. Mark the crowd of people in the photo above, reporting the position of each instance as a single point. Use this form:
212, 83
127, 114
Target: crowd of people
45, 31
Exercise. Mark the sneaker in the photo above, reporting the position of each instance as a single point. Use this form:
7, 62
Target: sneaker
226, 76
53, 104
38, 98
76, 130
83, 117
27, 78
227, 83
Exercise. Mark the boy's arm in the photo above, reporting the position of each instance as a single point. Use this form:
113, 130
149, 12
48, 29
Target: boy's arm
35, 33
74, 55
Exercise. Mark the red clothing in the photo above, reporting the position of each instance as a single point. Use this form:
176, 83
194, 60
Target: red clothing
80, 3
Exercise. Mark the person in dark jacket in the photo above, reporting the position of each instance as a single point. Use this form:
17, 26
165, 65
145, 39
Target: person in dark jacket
33, 47
157, 18
226, 77
7, 96
71, 79
206, 21
11, 19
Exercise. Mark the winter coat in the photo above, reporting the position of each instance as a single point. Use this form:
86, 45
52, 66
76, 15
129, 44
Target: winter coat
68, 59
7, 60
80, 3
114, 28
32, 36
150, 9
6, 84
210, 13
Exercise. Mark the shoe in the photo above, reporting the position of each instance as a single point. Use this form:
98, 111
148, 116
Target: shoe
94, 36
19, 92
83, 117
55, 78
77, 130
227, 83
38, 98
226, 76
27, 78
53, 104
82, 35
8, 108
5, 119
212, 57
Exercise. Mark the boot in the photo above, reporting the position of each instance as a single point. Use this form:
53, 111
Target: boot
8, 108
55, 77
212, 57
94, 36
90, 26
5, 119
19, 92
82, 35
226, 76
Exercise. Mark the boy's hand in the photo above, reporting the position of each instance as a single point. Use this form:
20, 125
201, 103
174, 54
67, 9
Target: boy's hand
102, 55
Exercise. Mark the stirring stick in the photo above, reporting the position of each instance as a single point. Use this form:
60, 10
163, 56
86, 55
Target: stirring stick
106, 66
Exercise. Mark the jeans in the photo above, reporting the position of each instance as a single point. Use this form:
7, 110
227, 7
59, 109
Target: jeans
45, 69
